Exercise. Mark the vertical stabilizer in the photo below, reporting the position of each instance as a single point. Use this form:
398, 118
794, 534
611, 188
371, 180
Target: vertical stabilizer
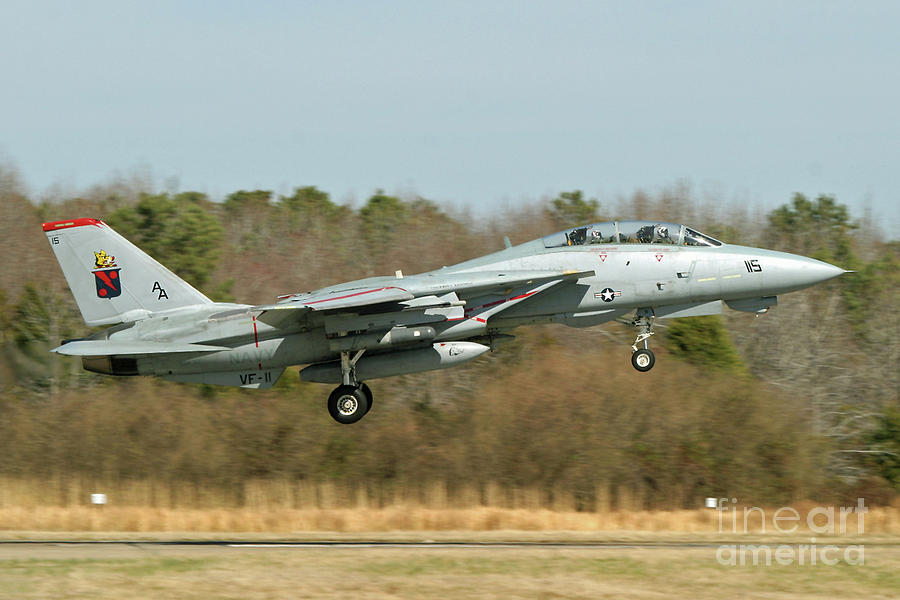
112, 279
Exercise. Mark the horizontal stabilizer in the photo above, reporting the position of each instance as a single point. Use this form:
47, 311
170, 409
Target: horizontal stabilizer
109, 348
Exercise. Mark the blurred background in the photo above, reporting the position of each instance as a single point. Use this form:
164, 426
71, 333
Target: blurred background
280, 148
798, 404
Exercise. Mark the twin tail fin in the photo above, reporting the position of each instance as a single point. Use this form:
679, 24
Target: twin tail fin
113, 281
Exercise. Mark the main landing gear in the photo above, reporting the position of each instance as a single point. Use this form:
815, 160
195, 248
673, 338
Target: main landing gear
643, 359
350, 401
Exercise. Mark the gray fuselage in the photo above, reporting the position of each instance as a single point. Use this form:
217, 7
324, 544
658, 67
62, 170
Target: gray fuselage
664, 279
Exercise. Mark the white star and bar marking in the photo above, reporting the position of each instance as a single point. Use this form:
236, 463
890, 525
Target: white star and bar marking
607, 294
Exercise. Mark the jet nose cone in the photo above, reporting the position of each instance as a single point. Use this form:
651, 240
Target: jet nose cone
817, 271
798, 272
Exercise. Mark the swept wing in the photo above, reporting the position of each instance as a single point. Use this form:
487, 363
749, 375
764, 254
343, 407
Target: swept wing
421, 292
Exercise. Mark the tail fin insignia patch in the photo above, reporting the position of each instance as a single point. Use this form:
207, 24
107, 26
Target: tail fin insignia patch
102, 260
109, 284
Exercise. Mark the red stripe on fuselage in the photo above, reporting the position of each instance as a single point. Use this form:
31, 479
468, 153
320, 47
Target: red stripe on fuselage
352, 295
256, 338
496, 302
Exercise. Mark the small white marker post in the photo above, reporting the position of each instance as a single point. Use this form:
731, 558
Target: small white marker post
714, 503
98, 499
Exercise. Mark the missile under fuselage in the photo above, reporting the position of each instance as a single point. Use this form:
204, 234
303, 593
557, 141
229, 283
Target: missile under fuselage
439, 356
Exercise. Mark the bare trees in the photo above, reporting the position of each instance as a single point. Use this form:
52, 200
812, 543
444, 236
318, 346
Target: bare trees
806, 403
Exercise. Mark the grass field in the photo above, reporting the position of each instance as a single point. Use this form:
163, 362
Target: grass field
278, 506
878, 520
685, 564
214, 572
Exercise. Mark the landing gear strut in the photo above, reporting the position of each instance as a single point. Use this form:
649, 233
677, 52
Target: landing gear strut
643, 359
350, 401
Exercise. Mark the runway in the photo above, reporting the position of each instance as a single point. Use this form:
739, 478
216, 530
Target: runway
375, 544
345, 544
125, 549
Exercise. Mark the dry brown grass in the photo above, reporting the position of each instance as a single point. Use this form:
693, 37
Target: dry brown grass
883, 520
405, 518
285, 507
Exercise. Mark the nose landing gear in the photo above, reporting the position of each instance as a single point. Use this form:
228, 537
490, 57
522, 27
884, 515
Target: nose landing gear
643, 359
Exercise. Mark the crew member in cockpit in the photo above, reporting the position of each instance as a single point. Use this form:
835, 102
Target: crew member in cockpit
661, 235
654, 234
577, 237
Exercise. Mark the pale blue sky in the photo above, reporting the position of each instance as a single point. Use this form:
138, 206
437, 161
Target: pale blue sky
472, 103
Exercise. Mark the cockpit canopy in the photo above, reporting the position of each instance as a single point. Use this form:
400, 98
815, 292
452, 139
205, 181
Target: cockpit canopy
630, 232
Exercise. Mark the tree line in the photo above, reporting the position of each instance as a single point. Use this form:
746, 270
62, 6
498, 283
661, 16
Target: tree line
799, 403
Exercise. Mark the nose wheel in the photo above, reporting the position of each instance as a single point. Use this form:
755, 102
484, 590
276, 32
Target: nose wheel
642, 359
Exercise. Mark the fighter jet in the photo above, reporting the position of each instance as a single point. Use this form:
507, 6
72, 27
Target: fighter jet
346, 334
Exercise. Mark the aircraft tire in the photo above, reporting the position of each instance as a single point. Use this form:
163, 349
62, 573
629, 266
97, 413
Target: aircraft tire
369, 397
347, 404
643, 360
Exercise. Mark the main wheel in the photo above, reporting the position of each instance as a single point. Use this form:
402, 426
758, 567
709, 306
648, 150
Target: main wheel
643, 360
369, 397
347, 404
